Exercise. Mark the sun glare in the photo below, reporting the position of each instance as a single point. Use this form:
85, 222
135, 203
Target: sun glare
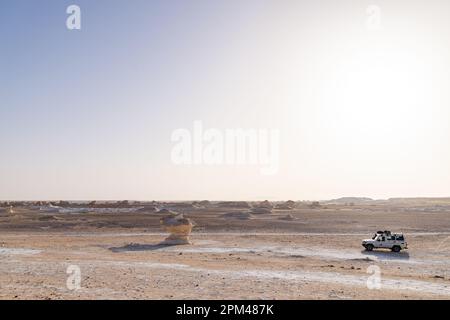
376, 99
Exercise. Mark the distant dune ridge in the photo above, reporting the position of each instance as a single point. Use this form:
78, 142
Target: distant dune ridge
350, 200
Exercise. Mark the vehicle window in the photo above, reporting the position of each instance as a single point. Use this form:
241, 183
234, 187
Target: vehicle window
401, 238
392, 238
383, 238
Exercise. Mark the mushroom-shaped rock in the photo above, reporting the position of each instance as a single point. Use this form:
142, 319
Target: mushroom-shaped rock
179, 228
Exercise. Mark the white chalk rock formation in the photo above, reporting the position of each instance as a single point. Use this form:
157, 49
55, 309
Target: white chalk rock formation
264, 207
179, 228
288, 205
265, 204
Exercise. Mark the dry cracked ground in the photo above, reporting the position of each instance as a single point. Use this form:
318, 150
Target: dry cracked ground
315, 254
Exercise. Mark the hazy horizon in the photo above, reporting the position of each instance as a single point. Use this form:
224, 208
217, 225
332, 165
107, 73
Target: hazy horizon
226, 200
356, 90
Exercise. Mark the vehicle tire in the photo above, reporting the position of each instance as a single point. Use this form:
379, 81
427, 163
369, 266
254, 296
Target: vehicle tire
369, 247
396, 248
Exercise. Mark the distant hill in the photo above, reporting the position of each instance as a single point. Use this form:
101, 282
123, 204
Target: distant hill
350, 200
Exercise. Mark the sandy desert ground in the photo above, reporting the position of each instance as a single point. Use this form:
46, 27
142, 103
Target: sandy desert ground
307, 252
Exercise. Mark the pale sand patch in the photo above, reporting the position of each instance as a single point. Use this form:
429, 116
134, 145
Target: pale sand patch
20, 251
309, 252
297, 276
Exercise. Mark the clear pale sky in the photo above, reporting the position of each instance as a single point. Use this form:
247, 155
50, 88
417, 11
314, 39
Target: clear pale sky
88, 114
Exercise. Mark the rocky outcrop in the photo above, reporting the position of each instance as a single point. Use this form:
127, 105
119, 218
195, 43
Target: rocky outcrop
63, 204
122, 204
288, 205
265, 204
201, 204
264, 207
314, 205
179, 228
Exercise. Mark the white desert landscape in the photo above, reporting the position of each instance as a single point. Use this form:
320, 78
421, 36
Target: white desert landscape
236, 250
225, 150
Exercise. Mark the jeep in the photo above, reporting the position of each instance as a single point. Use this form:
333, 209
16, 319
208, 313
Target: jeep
386, 240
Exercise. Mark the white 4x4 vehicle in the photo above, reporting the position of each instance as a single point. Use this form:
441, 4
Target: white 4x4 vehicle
385, 239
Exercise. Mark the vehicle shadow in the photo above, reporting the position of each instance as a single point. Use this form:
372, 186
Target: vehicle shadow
140, 247
387, 255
